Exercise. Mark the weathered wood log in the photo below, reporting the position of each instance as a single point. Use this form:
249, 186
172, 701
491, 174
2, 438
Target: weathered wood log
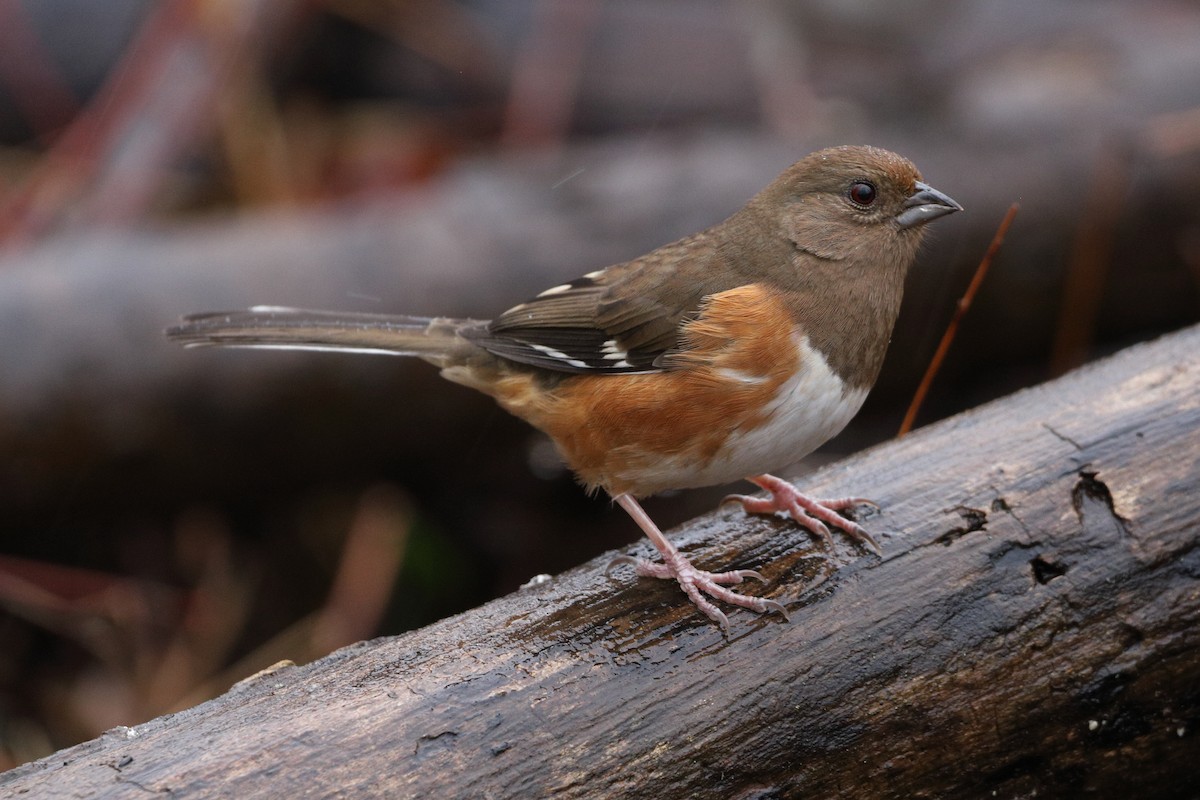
1032, 627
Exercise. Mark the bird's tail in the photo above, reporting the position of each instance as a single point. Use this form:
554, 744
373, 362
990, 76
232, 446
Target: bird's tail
435, 339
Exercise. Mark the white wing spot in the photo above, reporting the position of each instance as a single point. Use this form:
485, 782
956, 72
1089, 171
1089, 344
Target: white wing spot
562, 287
559, 355
550, 351
611, 351
595, 276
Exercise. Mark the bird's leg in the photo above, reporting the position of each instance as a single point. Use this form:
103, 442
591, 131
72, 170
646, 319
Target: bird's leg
815, 515
694, 582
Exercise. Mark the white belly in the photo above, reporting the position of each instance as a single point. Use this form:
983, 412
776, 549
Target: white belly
807, 411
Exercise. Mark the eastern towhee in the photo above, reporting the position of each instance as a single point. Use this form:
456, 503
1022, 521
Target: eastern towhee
728, 354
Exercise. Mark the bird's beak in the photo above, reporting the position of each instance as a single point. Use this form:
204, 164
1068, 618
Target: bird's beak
925, 204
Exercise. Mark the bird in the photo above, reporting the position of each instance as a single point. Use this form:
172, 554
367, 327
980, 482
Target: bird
726, 355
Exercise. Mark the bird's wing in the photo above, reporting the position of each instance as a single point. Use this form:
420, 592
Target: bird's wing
623, 319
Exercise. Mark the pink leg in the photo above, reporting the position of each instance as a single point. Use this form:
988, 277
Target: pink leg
694, 582
812, 514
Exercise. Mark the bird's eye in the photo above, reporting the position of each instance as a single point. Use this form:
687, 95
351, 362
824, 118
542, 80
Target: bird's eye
862, 193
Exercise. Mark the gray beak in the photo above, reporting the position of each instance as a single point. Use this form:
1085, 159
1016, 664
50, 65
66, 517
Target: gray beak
924, 205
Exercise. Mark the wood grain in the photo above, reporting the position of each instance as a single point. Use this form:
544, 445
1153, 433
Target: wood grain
1032, 627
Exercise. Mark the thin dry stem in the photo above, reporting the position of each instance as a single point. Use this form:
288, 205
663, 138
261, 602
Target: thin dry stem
959, 312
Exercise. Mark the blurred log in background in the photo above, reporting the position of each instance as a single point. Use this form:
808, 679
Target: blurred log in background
173, 521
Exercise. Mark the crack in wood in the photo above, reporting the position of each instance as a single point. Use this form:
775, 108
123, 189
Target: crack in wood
1046, 568
1062, 436
1092, 494
444, 739
975, 519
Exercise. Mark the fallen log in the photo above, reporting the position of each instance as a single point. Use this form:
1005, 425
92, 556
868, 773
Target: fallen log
1031, 628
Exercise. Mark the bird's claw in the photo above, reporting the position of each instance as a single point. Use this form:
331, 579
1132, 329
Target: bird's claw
700, 585
816, 515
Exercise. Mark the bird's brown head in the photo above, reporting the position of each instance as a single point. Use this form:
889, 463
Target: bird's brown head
856, 205
845, 225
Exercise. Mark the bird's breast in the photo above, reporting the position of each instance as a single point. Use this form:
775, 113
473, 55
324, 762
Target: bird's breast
807, 409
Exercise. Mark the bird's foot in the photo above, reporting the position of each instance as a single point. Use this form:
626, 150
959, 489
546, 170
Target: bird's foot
816, 515
697, 583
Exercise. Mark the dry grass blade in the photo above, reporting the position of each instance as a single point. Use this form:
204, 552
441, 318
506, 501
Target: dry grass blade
959, 312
